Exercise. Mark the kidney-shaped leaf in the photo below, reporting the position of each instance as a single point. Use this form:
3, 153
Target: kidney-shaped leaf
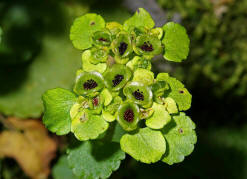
181, 137
83, 28
140, 19
58, 103
146, 145
176, 42
95, 159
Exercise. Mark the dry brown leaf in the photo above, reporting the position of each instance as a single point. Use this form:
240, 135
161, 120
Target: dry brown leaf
30, 145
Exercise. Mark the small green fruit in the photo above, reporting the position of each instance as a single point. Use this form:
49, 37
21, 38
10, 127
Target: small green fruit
138, 93
88, 82
128, 116
122, 47
148, 46
117, 76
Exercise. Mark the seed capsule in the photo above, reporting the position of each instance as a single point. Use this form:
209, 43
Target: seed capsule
88, 82
138, 93
117, 76
128, 116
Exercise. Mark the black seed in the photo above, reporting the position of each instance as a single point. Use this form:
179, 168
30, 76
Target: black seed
92, 23
117, 80
181, 131
90, 84
102, 39
129, 115
181, 91
138, 95
122, 48
147, 47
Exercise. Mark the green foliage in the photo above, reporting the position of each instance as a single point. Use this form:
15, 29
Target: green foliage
83, 28
140, 19
61, 170
218, 36
176, 42
180, 137
118, 97
177, 91
1, 33
146, 145
86, 125
57, 103
15, 20
159, 118
95, 159
29, 83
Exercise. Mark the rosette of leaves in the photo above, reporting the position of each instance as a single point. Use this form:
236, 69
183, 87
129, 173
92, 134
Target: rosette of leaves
118, 99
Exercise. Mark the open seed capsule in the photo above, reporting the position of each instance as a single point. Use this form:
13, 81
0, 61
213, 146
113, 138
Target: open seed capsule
128, 116
122, 46
148, 46
138, 93
102, 38
117, 76
88, 82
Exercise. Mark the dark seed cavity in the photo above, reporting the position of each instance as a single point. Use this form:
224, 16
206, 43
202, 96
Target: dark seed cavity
96, 101
102, 39
138, 95
92, 23
117, 80
181, 91
122, 48
147, 47
90, 84
129, 115
181, 131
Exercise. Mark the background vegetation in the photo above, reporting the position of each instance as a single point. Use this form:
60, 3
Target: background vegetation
36, 55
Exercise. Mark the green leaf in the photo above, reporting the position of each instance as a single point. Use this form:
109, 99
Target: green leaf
176, 42
88, 67
61, 169
117, 133
53, 67
170, 105
177, 91
108, 116
159, 118
95, 159
140, 19
106, 96
144, 76
57, 103
82, 29
146, 145
87, 126
181, 137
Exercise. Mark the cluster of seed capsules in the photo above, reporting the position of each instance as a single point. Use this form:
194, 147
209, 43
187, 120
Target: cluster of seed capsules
116, 82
